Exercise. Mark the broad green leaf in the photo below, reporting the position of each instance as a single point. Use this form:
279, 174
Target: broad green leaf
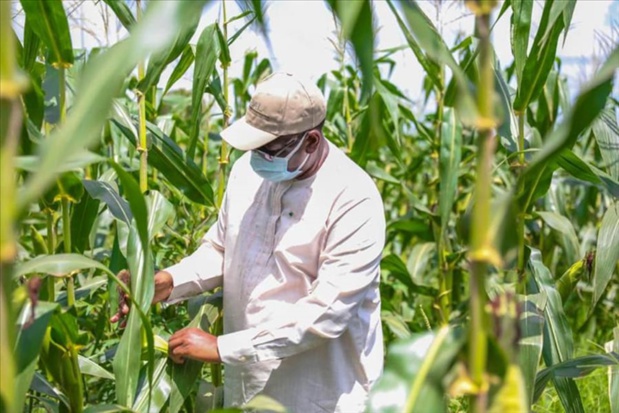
168, 158
397, 268
520, 27
48, 20
584, 111
539, 61
379, 173
91, 368
122, 12
558, 338
430, 67
224, 55
28, 345
104, 192
508, 125
390, 102
186, 60
417, 263
435, 48
77, 160
106, 408
128, 355
100, 83
414, 373
207, 53
449, 166
567, 234
32, 43
240, 31
607, 255
606, 132
160, 211
40, 384
574, 368
158, 62
58, 265
159, 393
82, 220
396, 324
580, 169
358, 25
532, 339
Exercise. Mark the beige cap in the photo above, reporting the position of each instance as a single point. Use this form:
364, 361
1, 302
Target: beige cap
282, 105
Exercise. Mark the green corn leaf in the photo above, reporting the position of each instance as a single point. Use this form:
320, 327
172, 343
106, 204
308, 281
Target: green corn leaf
580, 169
128, 355
558, 338
574, 368
186, 60
397, 268
588, 105
106, 408
32, 44
540, 60
607, 255
28, 345
240, 31
606, 132
566, 233
207, 53
122, 11
82, 220
158, 62
101, 82
431, 68
168, 158
224, 55
520, 27
104, 192
357, 22
415, 368
91, 368
76, 160
160, 212
435, 48
449, 166
532, 339
48, 20
158, 394
390, 102
508, 125
58, 265
417, 263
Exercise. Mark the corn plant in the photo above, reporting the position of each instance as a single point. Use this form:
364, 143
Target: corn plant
500, 196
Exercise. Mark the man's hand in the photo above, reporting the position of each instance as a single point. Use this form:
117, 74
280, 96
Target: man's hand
163, 288
195, 344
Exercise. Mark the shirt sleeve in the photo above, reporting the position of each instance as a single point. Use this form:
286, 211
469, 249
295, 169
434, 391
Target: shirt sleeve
202, 270
349, 269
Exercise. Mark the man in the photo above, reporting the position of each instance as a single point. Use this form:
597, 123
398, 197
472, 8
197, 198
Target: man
297, 247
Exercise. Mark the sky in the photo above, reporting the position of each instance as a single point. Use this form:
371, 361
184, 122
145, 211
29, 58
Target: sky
301, 32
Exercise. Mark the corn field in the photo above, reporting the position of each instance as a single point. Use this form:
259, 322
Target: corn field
499, 279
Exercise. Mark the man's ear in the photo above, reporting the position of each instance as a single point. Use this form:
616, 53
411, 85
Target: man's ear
312, 142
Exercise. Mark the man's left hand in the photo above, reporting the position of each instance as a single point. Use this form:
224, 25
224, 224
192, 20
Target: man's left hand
195, 344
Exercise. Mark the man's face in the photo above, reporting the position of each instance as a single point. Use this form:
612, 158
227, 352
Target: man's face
281, 147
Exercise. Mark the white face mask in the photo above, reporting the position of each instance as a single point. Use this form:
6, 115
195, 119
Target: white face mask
275, 168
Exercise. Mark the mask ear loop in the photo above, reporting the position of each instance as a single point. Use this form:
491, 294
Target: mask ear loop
295, 150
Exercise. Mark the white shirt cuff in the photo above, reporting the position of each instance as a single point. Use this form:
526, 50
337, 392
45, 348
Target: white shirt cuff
237, 348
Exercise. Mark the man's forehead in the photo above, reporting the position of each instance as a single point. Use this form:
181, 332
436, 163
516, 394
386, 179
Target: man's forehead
280, 141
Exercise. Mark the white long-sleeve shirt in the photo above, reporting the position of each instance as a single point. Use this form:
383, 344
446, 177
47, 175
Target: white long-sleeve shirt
299, 262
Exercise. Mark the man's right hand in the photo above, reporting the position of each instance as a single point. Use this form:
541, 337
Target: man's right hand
163, 288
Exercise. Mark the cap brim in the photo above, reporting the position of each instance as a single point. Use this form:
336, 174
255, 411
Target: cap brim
245, 137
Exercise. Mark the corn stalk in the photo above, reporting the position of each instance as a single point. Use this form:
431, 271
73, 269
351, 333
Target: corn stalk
482, 251
142, 143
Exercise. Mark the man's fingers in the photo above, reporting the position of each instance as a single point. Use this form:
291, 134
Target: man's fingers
177, 353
